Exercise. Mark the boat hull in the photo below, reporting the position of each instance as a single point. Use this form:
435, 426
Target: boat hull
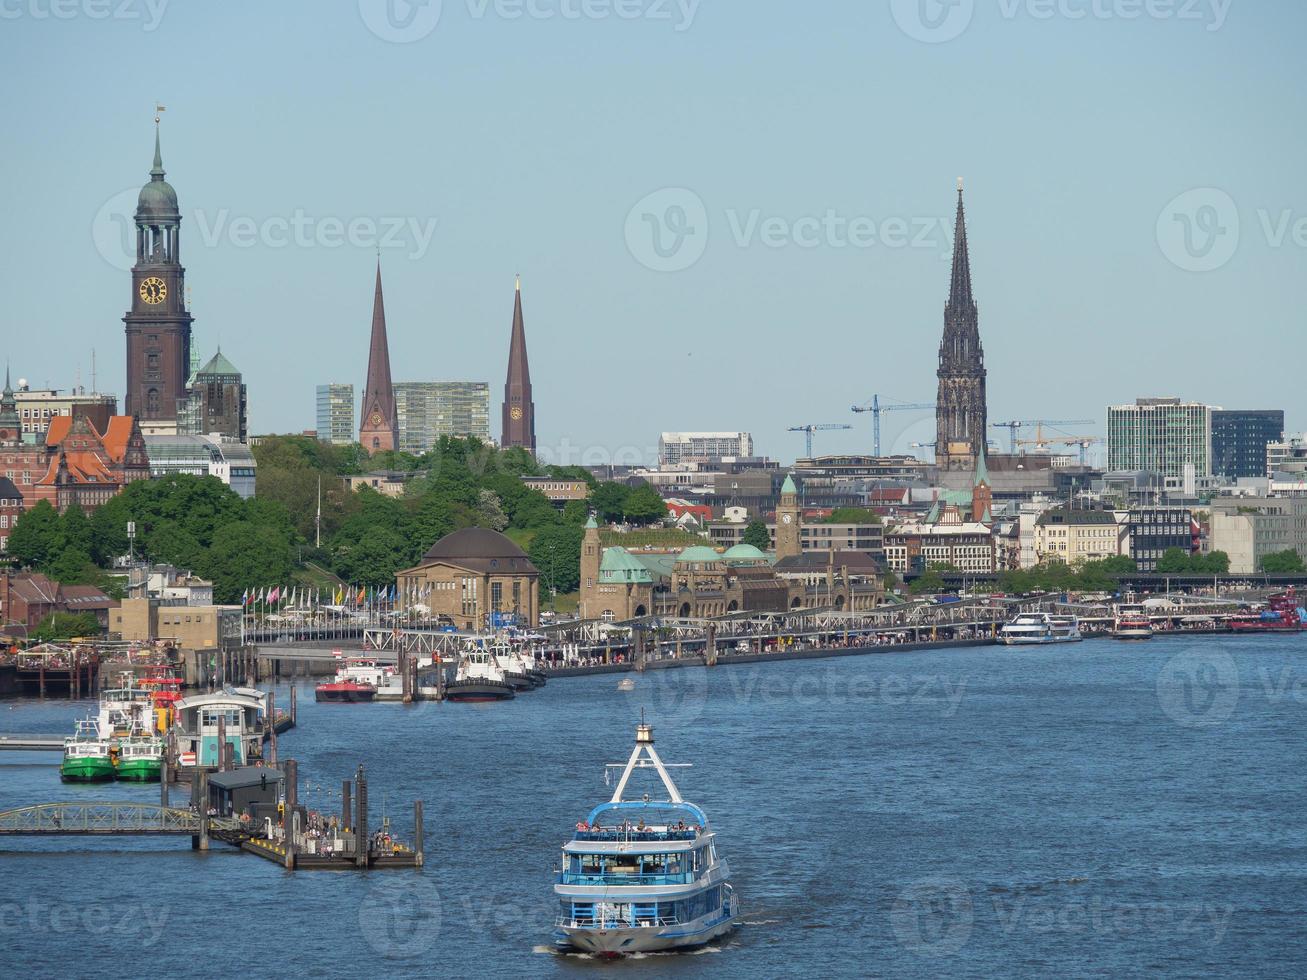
1132, 634
643, 939
139, 770
479, 691
344, 695
520, 682
86, 770
1023, 641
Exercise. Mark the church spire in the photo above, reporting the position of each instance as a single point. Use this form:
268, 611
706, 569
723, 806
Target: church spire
519, 427
379, 427
157, 171
959, 296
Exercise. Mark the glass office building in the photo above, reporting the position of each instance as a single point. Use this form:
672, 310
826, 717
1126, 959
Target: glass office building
428, 410
336, 414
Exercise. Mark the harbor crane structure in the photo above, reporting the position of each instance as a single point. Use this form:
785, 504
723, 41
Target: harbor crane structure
876, 409
1014, 428
808, 430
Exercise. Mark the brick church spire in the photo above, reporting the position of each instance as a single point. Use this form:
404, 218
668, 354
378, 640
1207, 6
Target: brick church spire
519, 416
960, 413
379, 425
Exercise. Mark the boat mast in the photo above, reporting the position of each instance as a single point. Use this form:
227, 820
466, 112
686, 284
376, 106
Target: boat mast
644, 744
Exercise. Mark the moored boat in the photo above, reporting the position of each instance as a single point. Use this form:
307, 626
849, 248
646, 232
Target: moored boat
88, 756
478, 678
346, 691
1283, 614
1040, 628
140, 758
1131, 623
655, 884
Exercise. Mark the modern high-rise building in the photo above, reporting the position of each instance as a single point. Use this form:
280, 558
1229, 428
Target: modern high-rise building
679, 447
379, 426
335, 414
158, 324
1160, 435
428, 410
960, 406
1240, 438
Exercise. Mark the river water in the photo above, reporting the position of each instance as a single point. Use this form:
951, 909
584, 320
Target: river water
1099, 809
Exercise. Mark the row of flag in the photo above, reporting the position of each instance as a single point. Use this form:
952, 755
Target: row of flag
340, 596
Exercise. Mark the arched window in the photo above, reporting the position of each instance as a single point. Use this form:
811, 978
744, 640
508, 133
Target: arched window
376, 443
152, 402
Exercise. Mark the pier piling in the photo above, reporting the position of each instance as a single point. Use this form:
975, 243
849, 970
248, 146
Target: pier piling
200, 797
417, 831
222, 744
271, 721
361, 822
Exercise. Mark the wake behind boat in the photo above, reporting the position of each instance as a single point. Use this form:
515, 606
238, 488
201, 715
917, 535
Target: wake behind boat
1039, 628
657, 884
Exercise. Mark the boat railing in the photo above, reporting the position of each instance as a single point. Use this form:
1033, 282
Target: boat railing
620, 878
636, 835
635, 922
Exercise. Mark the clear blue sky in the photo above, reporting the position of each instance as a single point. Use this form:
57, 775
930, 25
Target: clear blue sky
530, 139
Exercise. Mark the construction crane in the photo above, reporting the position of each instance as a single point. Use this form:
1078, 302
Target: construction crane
1015, 427
876, 408
808, 430
1082, 442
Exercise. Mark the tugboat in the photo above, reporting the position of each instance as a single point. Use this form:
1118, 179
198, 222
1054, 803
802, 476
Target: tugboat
658, 884
1039, 628
1132, 623
514, 667
478, 677
88, 757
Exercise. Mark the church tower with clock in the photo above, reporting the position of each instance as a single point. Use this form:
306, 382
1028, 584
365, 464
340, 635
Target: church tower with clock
519, 411
379, 427
789, 521
158, 324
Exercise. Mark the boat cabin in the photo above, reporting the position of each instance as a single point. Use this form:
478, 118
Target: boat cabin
242, 718
251, 791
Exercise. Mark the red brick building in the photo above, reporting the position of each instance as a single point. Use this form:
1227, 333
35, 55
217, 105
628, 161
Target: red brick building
11, 505
26, 598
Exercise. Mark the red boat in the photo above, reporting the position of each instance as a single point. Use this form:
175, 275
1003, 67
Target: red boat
1283, 614
344, 691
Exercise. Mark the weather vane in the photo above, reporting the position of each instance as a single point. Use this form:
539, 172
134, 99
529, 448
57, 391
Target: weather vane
158, 109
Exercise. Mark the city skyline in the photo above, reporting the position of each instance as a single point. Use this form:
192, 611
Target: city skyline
1075, 246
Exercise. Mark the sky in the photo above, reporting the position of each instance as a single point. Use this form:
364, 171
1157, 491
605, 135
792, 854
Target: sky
727, 214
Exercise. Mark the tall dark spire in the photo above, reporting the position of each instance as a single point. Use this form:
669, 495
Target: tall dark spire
157, 171
959, 294
960, 412
379, 425
519, 417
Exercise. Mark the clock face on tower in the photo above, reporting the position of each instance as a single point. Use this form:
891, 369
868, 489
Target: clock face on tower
786, 518
515, 412
154, 290
375, 420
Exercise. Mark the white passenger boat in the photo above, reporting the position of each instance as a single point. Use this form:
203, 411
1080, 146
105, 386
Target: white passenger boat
643, 875
1040, 627
1132, 623
242, 712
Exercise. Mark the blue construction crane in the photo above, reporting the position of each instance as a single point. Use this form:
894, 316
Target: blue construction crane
808, 430
875, 408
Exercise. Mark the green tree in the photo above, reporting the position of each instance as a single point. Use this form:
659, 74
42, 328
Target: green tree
490, 512
109, 530
1283, 563
75, 530
172, 543
644, 505
756, 534
372, 559
37, 537
576, 512
556, 552
66, 626
1174, 561
608, 500
929, 582
245, 555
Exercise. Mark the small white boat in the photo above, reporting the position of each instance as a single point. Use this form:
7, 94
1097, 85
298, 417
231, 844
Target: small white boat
1039, 628
1132, 623
626, 684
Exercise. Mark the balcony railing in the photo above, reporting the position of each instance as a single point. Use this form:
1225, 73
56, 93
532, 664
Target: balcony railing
621, 878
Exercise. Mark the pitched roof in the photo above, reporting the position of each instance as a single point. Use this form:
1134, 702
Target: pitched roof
57, 431
1064, 515
788, 485
117, 435
218, 364
619, 565
8, 491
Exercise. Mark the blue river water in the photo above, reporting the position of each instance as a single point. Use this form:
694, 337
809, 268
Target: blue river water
1101, 809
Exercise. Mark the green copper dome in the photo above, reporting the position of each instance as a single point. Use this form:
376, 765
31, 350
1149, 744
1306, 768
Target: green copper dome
788, 485
157, 198
742, 553
619, 565
698, 553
